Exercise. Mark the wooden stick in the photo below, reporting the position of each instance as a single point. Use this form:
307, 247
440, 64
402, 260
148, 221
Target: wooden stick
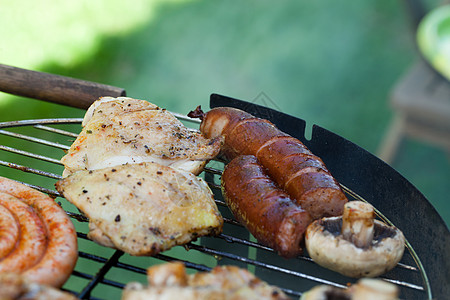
54, 88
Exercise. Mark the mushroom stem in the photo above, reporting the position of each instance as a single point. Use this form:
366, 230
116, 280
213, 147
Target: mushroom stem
358, 223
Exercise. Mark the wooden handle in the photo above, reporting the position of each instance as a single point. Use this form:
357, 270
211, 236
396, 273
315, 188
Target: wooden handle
54, 88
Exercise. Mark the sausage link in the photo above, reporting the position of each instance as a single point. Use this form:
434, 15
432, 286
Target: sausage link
59, 259
32, 241
263, 208
287, 160
9, 231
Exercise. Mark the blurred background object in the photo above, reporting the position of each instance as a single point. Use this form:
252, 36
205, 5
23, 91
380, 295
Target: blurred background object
329, 63
421, 96
433, 38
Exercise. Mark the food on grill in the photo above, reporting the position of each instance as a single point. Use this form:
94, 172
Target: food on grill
266, 210
27, 226
288, 162
37, 238
16, 287
124, 130
364, 289
355, 245
170, 281
143, 209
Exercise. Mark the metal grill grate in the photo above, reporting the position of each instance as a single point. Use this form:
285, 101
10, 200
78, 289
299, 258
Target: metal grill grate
30, 154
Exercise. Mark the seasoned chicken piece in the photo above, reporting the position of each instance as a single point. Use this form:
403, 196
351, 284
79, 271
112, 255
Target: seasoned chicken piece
170, 281
124, 130
143, 209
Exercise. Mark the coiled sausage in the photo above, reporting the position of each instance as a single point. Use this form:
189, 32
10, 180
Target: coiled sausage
263, 208
54, 264
9, 231
31, 242
289, 163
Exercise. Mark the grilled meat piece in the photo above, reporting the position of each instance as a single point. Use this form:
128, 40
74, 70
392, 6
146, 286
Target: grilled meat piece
143, 209
124, 130
170, 281
364, 289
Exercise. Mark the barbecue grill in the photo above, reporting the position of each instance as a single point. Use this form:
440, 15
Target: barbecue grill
33, 148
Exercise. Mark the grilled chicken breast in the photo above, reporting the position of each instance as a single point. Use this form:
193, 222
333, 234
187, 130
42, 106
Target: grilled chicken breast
170, 281
124, 130
144, 208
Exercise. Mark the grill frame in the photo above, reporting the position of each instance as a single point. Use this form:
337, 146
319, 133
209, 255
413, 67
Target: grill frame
262, 261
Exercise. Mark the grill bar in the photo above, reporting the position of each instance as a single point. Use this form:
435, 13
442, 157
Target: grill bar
99, 276
261, 264
55, 130
30, 170
113, 261
90, 278
21, 123
44, 190
33, 139
29, 154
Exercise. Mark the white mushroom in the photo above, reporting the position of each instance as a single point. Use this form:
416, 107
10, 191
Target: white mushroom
364, 289
355, 245
373, 289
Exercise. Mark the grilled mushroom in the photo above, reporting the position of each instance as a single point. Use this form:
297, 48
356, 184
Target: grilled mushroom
364, 289
355, 245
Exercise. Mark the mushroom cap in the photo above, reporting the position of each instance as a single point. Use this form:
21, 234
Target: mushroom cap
323, 292
328, 248
365, 288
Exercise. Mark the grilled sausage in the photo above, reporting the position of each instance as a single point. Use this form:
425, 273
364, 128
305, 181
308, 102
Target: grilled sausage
263, 208
9, 231
288, 162
56, 264
31, 242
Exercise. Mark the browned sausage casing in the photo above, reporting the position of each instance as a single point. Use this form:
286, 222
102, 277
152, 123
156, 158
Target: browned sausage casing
45, 247
263, 208
289, 163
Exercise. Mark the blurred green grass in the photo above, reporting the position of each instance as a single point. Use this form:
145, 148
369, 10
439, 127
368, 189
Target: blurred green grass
331, 63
